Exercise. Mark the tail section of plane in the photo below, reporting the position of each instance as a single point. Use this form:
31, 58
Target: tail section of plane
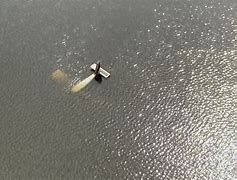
97, 68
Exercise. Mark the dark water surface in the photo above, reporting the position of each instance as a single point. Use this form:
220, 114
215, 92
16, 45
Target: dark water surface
169, 110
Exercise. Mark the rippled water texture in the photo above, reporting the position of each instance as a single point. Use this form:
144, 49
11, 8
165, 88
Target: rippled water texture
168, 111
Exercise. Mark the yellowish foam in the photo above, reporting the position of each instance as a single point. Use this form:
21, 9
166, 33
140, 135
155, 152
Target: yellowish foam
60, 76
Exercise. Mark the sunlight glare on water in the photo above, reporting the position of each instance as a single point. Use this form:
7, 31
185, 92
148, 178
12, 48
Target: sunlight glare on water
168, 111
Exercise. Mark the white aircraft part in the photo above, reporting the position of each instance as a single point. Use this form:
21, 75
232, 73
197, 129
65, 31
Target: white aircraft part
102, 72
80, 85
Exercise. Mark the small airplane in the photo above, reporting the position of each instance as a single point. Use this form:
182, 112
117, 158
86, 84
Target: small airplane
99, 71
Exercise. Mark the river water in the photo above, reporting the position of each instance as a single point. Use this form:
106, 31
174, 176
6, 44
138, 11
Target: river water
168, 111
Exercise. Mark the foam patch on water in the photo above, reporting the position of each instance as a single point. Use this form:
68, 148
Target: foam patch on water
60, 77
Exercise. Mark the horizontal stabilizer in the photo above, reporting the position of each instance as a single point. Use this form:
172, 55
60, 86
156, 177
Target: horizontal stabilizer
102, 72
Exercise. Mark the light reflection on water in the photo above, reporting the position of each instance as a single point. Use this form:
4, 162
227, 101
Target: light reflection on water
168, 110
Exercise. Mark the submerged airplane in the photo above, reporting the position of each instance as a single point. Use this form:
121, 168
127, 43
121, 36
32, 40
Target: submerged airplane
61, 77
99, 71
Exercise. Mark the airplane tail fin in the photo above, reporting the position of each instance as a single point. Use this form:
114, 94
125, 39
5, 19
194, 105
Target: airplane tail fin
97, 68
